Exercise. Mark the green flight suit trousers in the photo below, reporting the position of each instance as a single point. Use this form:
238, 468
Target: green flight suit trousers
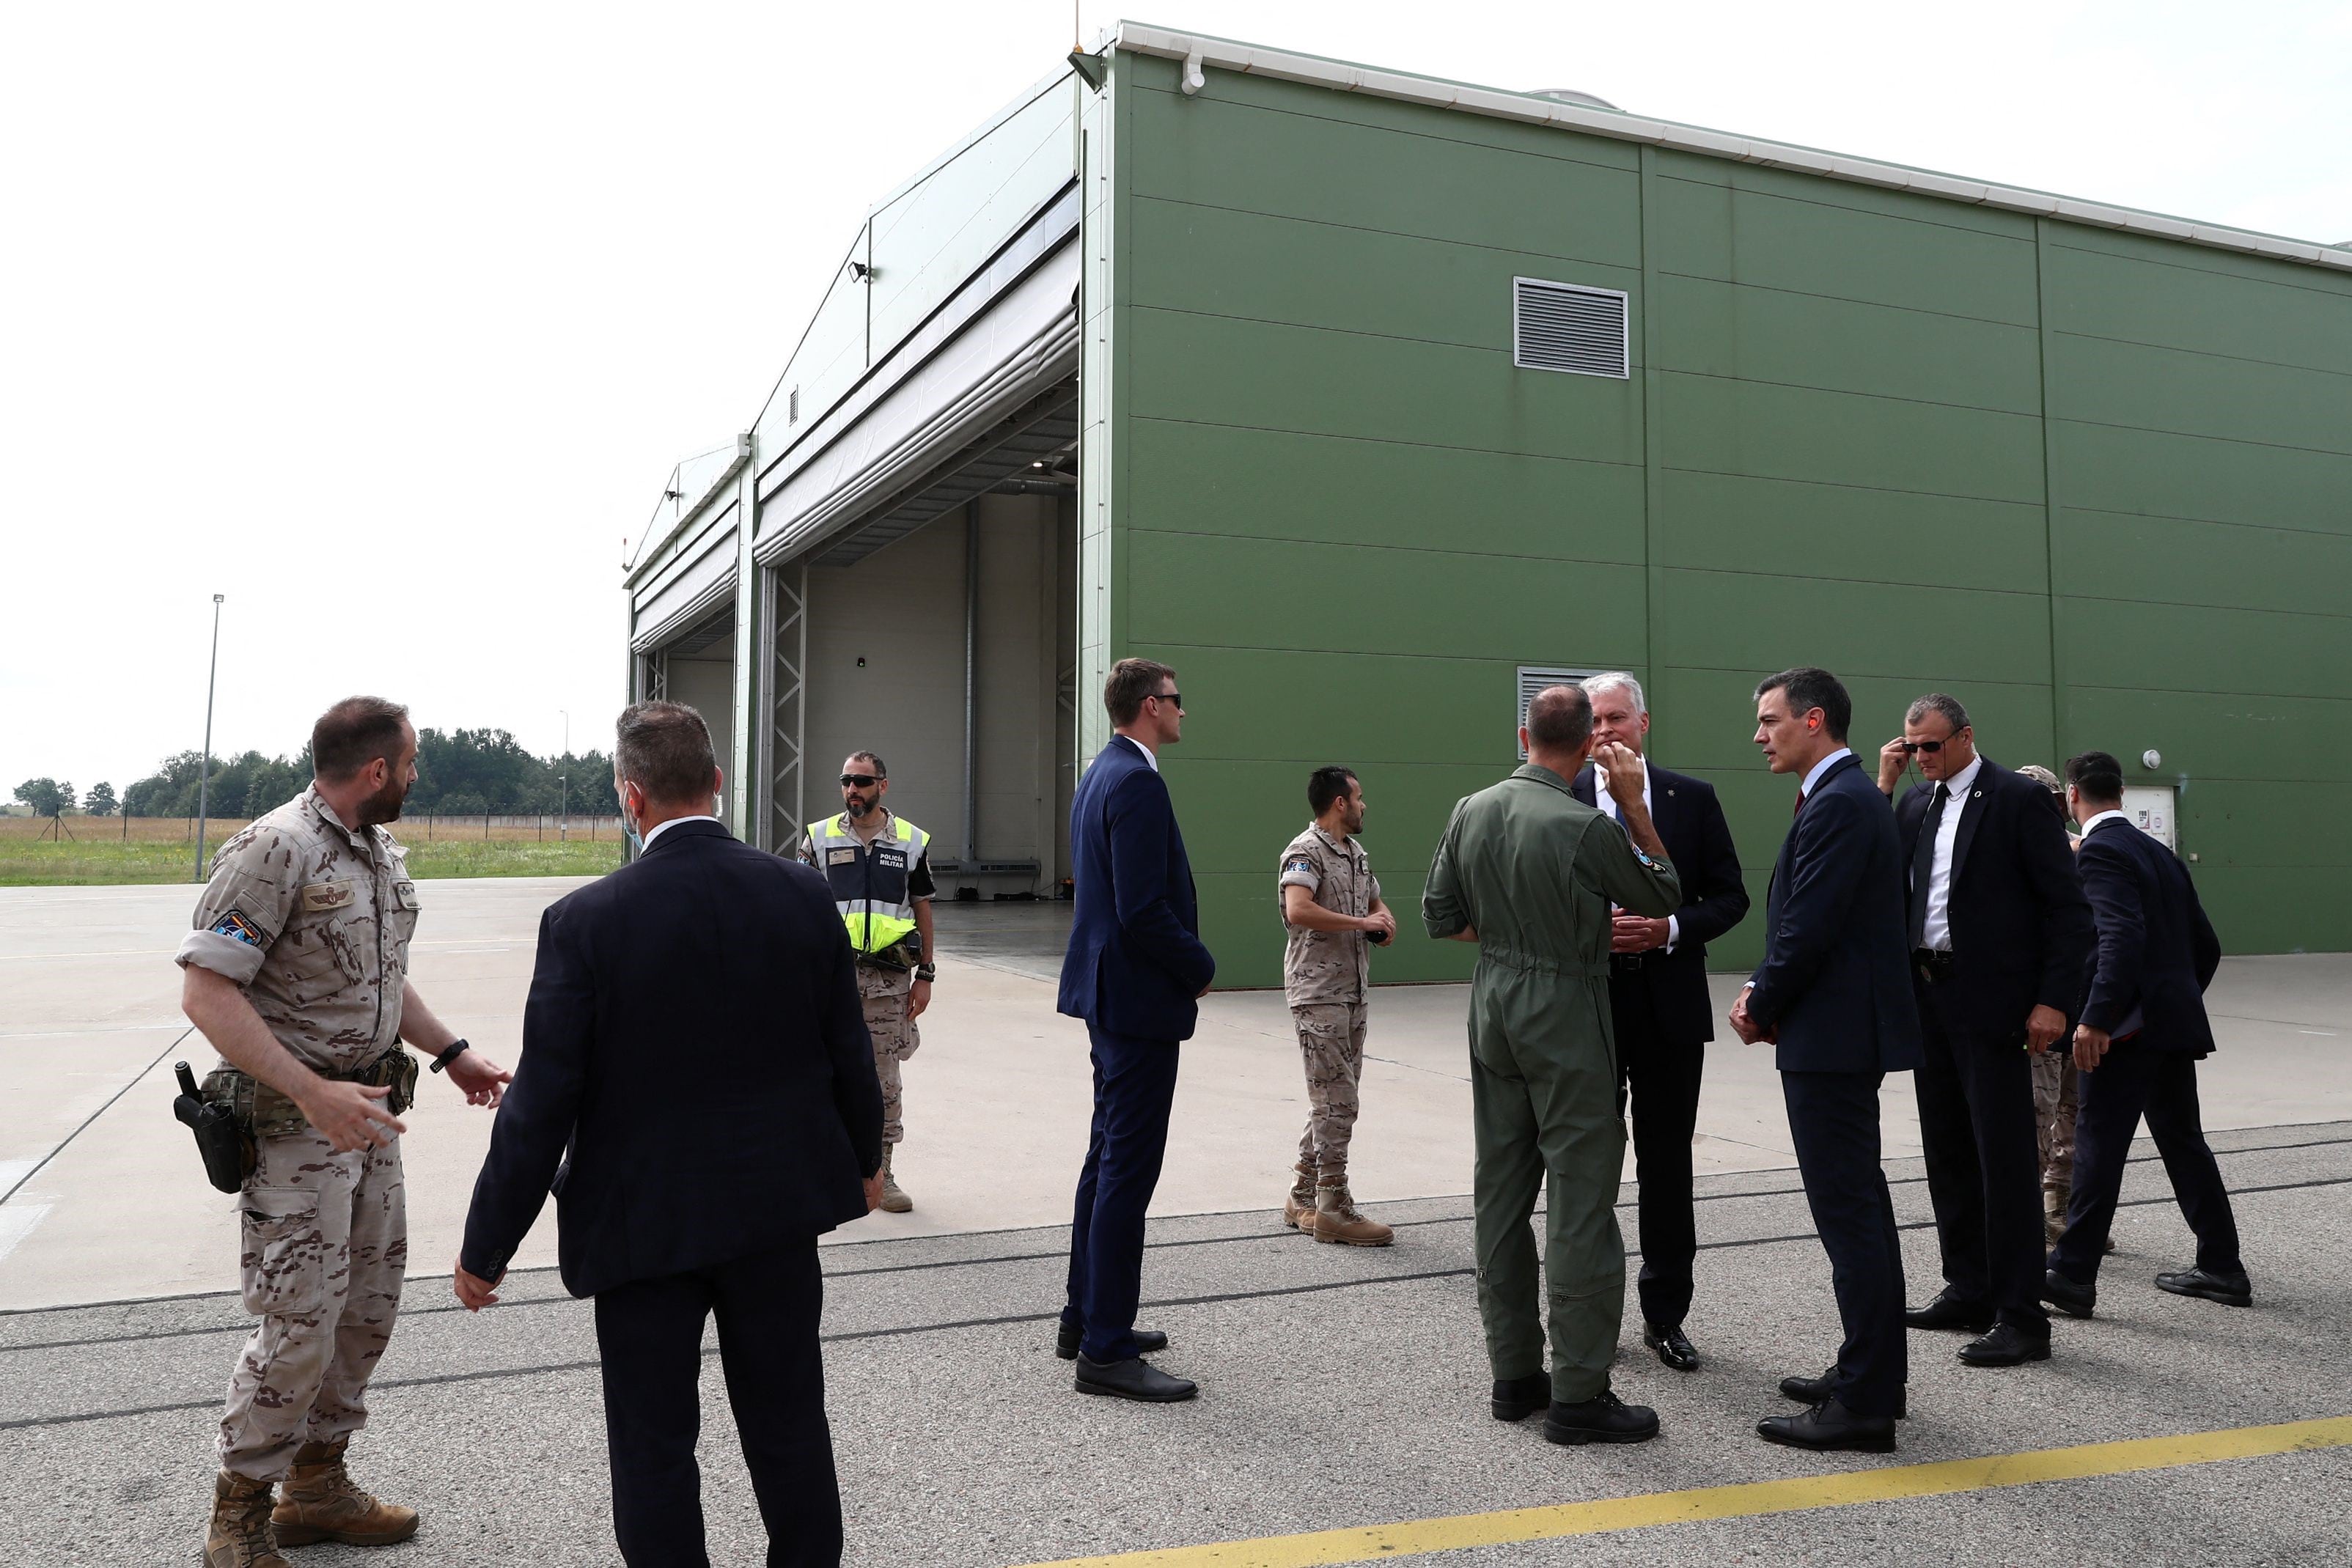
1544, 1109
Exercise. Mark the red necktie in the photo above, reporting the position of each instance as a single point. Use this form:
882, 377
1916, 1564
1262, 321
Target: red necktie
1799, 810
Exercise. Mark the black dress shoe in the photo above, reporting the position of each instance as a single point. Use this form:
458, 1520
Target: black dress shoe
1603, 1418
1673, 1345
1134, 1378
1148, 1341
1949, 1312
2232, 1289
2007, 1345
2074, 1301
1518, 1398
1823, 1389
1830, 1424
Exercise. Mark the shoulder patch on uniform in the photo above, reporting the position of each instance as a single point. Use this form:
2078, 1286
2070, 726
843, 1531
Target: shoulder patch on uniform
328, 895
1643, 855
236, 927
1297, 862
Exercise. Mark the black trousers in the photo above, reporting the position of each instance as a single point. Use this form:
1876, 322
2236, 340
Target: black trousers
2110, 1100
1661, 1077
1984, 1161
1834, 1121
650, 1334
1135, 1086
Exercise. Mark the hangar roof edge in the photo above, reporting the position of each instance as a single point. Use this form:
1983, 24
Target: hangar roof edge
1141, 37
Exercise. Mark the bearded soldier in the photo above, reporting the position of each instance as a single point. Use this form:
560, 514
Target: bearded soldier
297, 972
878, 865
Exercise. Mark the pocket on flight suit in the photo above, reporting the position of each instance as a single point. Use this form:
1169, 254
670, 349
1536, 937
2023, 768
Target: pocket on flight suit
283, 1261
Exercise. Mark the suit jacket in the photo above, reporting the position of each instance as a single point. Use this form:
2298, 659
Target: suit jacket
2157, 951
1135, 963
695, 1055
1714, 899
2020, 927
1835, 982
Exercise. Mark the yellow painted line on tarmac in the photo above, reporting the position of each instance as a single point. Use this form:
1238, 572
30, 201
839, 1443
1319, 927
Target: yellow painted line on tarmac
1385, 1543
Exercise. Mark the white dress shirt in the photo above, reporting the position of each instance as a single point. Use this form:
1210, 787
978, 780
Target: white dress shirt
1814, 774
1935, 930
2107, 816
1149, 755
661, 828
1609, 803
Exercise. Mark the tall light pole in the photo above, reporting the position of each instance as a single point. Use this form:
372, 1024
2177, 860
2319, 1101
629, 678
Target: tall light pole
204, 780
563, 834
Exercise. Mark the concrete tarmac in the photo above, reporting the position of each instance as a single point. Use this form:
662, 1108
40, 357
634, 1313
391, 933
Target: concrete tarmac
109, 1203
1342, 1388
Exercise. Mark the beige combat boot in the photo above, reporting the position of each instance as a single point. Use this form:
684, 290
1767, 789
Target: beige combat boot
2053, 1214
1298, 1208
1336, 1219
239, 1535
894, 1200
322, 1504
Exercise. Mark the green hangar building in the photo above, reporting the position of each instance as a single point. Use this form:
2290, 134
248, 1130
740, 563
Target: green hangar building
1371, 401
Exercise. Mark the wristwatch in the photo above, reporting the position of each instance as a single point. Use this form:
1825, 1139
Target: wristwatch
927, 971
450, 1055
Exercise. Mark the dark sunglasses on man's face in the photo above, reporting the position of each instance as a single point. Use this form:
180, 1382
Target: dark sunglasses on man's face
1173, 699
1929, 746
858, 781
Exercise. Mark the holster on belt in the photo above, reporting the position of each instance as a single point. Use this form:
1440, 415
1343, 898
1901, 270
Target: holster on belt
262, 1111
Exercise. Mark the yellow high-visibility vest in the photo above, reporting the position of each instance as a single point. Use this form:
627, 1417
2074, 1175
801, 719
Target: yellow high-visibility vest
870, 882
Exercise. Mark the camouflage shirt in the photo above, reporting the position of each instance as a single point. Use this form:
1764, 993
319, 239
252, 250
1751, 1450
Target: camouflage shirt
1327, 965
313, 921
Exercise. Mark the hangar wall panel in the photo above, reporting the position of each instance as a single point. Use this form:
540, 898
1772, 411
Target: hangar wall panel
1318, 486
902, 611
2200, 438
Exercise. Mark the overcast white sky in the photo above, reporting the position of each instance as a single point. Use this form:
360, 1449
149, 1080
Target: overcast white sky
389, 322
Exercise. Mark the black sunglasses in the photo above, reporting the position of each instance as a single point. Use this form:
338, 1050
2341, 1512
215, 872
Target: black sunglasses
859, 781
1929, 746
1177, 698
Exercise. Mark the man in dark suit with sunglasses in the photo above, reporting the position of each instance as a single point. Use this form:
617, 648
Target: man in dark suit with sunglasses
2000, 936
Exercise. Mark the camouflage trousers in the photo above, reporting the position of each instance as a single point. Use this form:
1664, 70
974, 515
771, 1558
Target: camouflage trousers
325, 1248
2054, 1117
884, 993
1331, 1045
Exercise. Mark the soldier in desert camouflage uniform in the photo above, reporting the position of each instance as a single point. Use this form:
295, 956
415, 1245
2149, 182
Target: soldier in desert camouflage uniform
879, 866
297, 972
1331, 907
2054, 1091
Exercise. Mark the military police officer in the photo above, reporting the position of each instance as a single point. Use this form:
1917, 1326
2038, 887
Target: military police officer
1332, 907
1528, 873
878, 865
297, 972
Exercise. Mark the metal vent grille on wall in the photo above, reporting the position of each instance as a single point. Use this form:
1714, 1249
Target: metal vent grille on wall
1534, 679
1568, 327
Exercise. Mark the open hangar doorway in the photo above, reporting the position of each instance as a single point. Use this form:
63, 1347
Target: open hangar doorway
941, 633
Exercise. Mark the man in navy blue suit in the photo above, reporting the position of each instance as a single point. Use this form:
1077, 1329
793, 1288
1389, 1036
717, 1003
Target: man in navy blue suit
2144, 1028
1135, 971
698, 1089
1833, 994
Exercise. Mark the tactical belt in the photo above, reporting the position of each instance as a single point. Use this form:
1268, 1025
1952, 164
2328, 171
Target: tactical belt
899, 956
262, 1111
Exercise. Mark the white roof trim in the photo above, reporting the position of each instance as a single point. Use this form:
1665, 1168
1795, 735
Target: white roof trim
1252, 60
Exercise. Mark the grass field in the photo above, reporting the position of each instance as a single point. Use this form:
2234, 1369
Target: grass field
148, 850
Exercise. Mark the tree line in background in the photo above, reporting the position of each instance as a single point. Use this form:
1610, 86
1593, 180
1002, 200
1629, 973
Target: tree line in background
459, 773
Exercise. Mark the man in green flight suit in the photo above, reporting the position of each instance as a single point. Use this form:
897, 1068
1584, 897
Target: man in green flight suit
1530, 873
